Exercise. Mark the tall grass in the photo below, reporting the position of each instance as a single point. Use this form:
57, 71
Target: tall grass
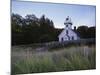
65, 59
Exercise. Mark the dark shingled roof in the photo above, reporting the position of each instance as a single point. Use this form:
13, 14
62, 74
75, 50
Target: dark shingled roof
76, 32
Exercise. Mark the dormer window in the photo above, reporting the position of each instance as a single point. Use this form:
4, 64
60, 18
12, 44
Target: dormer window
67, 19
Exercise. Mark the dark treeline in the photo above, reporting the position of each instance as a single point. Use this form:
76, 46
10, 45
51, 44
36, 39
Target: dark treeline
32, 29
38, 30
86, 32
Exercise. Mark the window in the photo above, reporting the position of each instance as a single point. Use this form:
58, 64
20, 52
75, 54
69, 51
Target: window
62, 39
66, 25
67, 18
66, 31
68, 38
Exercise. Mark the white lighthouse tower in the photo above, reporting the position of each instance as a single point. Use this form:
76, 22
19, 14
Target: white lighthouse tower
68, 33
68, 22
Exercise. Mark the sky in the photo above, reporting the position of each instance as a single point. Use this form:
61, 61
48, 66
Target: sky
80, 14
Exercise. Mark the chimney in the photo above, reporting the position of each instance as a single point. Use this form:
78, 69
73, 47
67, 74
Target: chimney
74, 28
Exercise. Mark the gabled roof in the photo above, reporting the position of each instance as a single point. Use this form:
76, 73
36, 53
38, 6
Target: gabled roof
76, 32
61, 32
72, 30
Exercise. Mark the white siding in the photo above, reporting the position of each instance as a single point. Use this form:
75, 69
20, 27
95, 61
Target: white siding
70, 34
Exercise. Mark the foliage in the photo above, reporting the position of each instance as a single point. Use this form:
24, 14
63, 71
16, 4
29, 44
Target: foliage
39, 30
65, 59
31, 29
86, 32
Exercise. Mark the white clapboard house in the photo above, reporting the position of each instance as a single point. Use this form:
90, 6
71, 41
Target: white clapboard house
68, 33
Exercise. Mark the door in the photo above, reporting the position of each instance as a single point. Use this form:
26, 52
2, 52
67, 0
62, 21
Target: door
62, 39
72, 37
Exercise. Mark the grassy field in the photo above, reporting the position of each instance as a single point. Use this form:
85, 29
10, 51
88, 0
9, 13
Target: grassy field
27, 60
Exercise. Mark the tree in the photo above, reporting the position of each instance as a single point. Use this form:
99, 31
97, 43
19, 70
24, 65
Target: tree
46, 29
16, 22
31, 19
32, 29
82, 30
91, 32
86, 32
16, 28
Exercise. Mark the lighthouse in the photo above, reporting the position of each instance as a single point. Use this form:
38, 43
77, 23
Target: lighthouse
68, 23
68, 33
